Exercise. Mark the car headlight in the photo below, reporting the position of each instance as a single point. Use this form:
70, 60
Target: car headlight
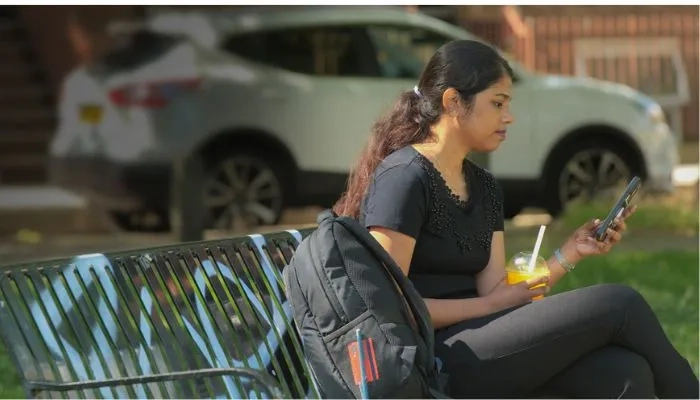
656, 113
651, 109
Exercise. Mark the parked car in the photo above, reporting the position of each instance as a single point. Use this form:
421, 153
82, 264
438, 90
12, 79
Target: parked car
279, 103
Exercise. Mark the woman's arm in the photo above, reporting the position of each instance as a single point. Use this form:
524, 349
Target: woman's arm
442, 312
556, 270
495, 271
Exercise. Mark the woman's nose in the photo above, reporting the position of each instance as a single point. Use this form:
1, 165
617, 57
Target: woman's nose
508, 118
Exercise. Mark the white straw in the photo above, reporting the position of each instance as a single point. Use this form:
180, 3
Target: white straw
536, 251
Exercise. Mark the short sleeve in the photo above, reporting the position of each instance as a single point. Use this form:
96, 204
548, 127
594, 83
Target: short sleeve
499, 222
397, 200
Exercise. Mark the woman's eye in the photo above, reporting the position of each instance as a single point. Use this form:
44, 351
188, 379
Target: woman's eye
497, 104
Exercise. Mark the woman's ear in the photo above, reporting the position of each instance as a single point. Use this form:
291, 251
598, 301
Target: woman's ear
450, 102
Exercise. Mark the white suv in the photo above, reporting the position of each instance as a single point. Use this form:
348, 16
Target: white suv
279, 103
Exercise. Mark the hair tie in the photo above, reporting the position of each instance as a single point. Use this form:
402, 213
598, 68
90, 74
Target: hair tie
416, 91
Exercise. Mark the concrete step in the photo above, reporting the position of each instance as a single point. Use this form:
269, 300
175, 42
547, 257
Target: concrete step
15, 140
47, 210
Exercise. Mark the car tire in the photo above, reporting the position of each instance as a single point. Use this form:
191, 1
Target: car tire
245, 189
586, 170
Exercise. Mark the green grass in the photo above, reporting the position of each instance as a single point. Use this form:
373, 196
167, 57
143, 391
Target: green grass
651, 214
9, 381
668, 280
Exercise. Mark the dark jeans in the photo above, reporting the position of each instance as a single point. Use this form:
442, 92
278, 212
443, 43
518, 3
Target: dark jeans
600, 341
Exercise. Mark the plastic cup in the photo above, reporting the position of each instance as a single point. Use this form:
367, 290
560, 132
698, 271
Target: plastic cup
518, 270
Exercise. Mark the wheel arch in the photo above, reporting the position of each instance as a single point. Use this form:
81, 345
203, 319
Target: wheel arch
607, 136
610, 135
251, 139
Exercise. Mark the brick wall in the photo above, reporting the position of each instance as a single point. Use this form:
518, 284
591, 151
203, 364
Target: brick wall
555, 30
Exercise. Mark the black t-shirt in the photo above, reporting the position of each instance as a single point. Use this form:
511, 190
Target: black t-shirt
453, 237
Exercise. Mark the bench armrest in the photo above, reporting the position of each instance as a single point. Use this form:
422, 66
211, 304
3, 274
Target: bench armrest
37, 387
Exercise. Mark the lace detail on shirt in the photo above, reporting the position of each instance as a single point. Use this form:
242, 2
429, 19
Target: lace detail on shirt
441, 216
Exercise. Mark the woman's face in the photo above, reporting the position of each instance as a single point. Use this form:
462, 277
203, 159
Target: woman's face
484, 126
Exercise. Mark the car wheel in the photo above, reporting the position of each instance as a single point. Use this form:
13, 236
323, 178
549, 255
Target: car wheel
589, 171
244, 190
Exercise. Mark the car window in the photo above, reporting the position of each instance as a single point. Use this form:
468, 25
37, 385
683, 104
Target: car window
321, 51
402, 52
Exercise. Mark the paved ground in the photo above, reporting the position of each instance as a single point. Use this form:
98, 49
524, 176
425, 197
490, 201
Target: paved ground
689, 153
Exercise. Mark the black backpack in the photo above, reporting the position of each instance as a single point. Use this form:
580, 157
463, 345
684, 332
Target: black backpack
341, 279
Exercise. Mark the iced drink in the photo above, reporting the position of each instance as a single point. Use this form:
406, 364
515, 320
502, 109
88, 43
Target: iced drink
518, 270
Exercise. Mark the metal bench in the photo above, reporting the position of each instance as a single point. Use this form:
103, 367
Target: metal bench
204, 319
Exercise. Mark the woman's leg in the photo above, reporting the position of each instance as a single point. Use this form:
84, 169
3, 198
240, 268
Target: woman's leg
513, 352
611, 372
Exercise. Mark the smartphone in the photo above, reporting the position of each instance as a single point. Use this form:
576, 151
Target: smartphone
622, 203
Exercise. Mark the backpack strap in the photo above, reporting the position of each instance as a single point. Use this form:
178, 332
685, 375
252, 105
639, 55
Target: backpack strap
424, 327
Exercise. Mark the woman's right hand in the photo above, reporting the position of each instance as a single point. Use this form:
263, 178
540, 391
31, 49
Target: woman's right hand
506, 296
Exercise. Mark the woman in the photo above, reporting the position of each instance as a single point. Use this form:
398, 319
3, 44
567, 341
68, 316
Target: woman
440, 216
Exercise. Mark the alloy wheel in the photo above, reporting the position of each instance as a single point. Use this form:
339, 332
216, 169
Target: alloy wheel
592, 174
241, 193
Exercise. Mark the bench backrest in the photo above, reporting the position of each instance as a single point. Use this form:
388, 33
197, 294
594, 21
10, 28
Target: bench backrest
195, 306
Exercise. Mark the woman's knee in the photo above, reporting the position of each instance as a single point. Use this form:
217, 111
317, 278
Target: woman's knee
616, 371
618, 293
637, 376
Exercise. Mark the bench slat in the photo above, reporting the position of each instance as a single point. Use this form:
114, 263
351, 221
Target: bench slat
67, 342
144, 323
291, 362
272, 320
129, 339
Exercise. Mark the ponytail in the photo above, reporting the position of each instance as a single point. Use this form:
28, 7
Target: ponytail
407, 122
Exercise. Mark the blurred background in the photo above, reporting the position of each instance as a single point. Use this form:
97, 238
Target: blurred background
100, 103
136, 126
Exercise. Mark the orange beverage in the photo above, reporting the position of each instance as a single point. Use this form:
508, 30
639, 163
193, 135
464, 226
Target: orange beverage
518, 270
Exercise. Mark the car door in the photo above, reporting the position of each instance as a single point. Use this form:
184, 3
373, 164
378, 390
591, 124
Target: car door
312, 92
344, 101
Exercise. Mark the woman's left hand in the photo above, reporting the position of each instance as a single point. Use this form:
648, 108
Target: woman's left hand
584, 243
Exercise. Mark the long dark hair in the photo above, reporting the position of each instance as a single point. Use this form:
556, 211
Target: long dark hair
468, 66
